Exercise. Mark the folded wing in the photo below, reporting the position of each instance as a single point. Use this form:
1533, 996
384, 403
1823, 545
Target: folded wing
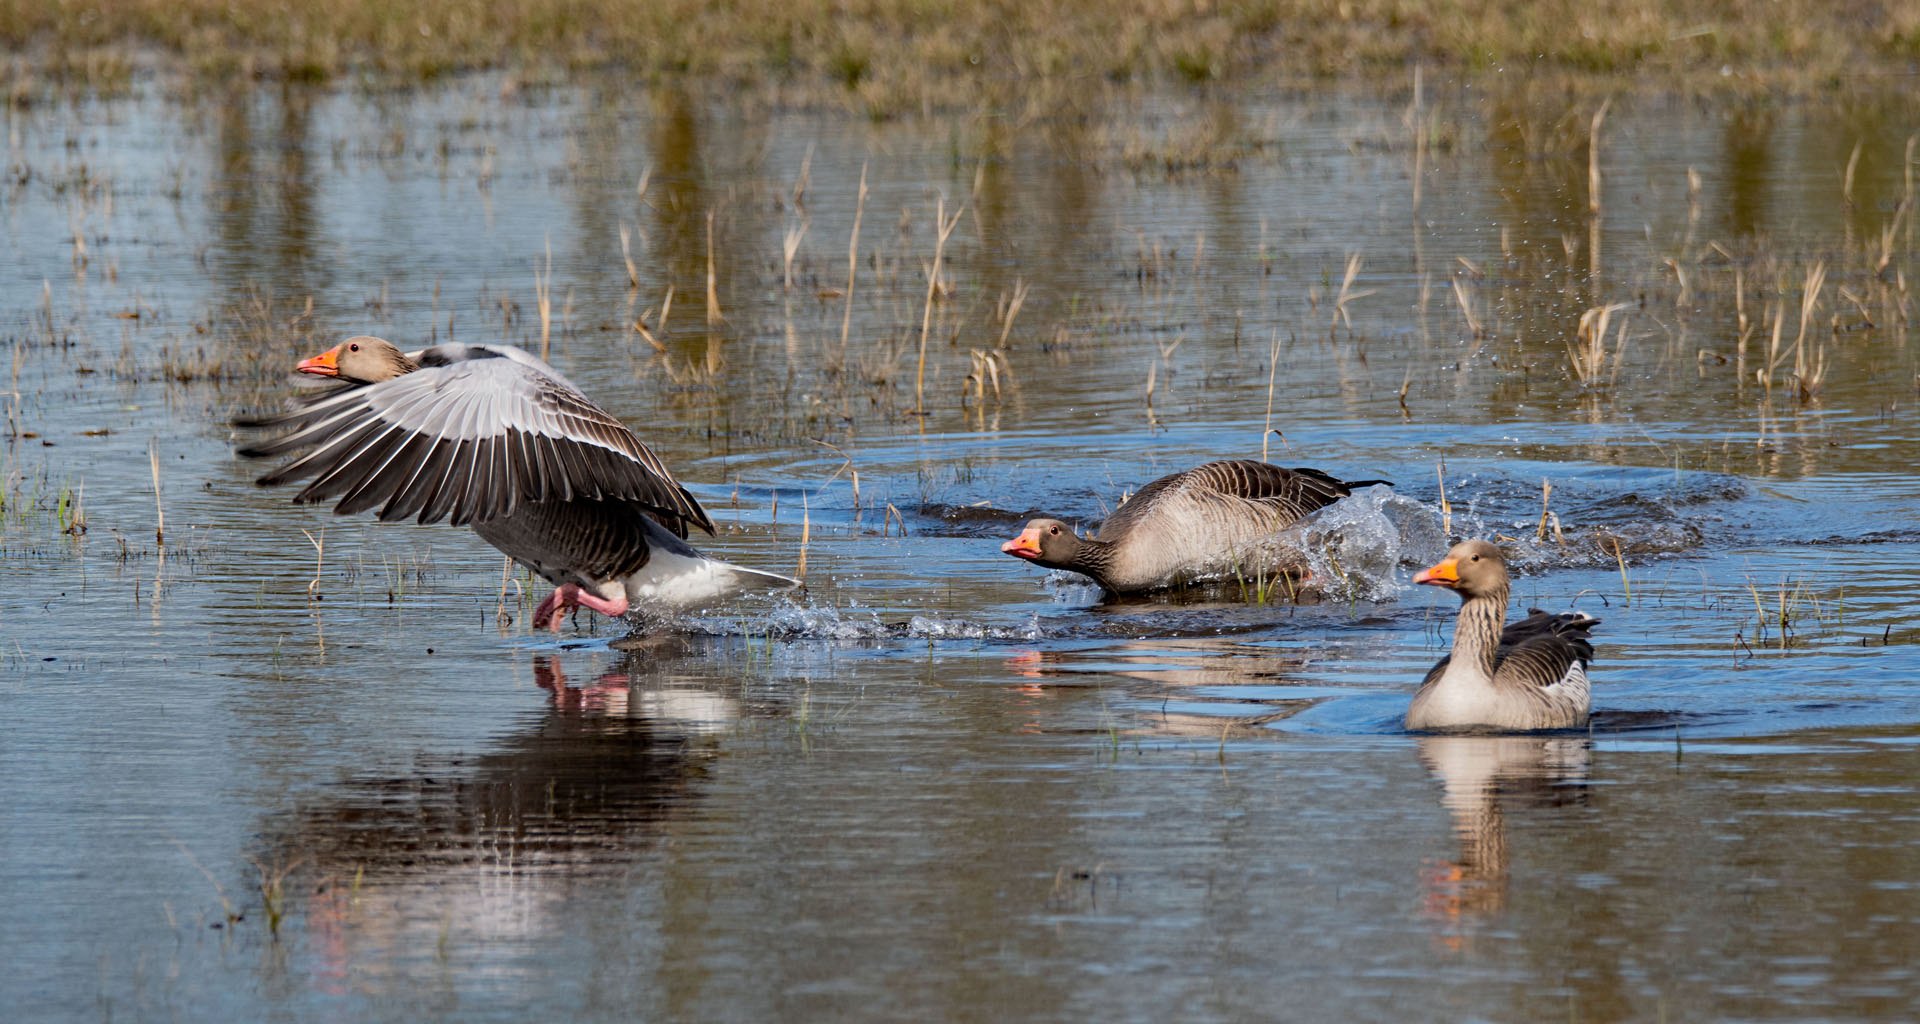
1543, 647
1284, 495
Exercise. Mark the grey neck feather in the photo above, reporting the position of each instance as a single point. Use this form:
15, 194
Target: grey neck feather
1093, 558
1477, 636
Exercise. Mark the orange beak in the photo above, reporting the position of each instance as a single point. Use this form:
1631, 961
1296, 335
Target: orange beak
1027, 545
326, 364
1446, 574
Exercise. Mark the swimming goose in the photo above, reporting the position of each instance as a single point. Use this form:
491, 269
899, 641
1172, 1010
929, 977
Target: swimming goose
1530, 675
492, 437
1185, 526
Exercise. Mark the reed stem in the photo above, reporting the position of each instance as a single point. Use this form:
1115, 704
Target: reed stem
944, 228
853, 261
159, 512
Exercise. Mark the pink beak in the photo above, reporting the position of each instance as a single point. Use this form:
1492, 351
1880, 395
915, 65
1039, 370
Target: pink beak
1027, 545
326, 364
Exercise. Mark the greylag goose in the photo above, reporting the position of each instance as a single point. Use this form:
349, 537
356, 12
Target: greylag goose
491, 437
1530, 675
1208, 520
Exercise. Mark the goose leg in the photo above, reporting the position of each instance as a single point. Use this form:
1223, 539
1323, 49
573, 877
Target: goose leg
553, 611
615, 608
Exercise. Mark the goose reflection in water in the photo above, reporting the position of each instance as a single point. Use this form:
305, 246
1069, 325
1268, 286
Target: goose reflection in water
494, 848
1484, 779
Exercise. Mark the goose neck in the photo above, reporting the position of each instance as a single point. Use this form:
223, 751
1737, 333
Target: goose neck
1477, 636
1093, 558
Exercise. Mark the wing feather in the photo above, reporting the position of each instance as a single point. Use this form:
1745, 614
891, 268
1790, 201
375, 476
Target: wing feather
1542, 648
446, 489
471, 435
1237, 488
363, 461
378, 487
410, 497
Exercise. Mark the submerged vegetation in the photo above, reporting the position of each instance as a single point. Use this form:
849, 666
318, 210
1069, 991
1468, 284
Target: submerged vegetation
903, 55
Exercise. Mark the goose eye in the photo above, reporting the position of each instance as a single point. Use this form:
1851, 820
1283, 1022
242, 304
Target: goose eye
1055, 530
353, 348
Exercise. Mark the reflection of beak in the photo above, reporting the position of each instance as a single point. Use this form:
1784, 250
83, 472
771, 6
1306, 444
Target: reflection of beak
1026, 664
1446, 574
1027, 545
326, 364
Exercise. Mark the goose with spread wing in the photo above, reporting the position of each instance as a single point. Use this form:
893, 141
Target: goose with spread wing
490, 436
1211, 520
1526, 676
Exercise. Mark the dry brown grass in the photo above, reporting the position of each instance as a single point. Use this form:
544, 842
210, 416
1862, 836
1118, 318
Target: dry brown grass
896, 56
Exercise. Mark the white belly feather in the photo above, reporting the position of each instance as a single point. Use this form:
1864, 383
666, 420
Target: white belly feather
680, 577
1463, 698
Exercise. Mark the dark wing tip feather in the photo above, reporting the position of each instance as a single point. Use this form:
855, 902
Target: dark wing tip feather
697, 515
1345, 486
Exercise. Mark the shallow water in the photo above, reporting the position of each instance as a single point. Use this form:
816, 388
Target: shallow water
258, 773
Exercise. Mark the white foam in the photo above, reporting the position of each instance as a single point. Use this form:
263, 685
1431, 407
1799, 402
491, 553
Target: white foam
1356, 546
791, 620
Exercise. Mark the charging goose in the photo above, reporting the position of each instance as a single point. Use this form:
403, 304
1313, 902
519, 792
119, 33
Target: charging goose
491, 437
1208, 520
1530, 675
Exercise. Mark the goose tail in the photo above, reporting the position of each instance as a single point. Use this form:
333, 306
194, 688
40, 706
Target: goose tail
682, 577
754, 579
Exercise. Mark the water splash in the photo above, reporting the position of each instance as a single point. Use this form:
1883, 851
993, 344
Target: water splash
1635, 516
792, 620
938, 627
1354, 547
1072, 588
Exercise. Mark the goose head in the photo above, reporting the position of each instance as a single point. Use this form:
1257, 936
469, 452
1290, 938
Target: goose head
1471, 569
1048, 542
360, 360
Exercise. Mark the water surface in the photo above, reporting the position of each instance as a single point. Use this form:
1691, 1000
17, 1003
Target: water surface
280, 764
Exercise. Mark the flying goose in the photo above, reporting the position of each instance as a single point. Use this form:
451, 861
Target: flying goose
1185, 526
1530, 675
489, 436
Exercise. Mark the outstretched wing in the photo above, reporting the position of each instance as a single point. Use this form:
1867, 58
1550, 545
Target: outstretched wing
469, 441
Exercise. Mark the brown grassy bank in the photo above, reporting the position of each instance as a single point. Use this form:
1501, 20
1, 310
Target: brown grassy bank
901, 55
